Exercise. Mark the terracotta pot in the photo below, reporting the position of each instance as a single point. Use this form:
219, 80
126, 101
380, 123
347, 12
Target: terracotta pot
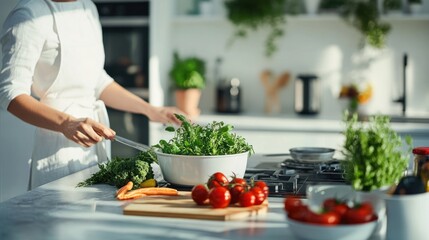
187, 100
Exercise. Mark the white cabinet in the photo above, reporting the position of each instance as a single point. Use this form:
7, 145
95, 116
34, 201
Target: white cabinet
272, 142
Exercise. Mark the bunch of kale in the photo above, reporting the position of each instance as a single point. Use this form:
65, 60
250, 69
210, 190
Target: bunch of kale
119, 171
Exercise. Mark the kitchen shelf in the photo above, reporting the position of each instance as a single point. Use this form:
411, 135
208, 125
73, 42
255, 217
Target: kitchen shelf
198, 19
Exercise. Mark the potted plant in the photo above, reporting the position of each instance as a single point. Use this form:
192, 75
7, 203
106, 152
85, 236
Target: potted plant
188, 79
373, 160
251, 15
372, 151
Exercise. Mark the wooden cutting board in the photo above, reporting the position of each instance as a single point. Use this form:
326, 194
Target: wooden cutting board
182, 206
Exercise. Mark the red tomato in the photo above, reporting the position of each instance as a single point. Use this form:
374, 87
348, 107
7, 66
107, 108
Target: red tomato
324, 218
263, 186
219, 197
259, 195
340, 209
361, 213
247, 199
335, 205
238, 181
200, 194
290, 203
217, 179
299, 213
236, 191
329, 203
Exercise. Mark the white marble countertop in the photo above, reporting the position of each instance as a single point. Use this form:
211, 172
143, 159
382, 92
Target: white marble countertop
58, 211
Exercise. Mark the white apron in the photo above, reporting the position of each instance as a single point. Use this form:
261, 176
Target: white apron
82, 59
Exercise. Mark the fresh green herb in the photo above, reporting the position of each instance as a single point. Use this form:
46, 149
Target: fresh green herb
215, 138
119, 171
372, 151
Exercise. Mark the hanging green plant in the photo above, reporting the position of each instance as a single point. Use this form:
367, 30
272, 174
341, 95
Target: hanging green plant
364, 16
251, 15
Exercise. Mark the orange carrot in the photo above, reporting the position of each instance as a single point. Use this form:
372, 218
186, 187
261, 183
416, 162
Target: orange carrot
155, 191
128, 196
123, 190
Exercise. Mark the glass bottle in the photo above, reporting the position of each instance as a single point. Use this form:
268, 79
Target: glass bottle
421, 164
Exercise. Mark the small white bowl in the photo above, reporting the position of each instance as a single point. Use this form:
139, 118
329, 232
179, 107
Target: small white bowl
188, 170
308, 231
316, 194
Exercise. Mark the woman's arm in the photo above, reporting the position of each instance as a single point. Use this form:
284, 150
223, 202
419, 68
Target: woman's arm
117, 97
84, 131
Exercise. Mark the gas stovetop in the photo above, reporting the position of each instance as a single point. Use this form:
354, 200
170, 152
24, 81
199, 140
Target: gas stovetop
292, 178
289, 177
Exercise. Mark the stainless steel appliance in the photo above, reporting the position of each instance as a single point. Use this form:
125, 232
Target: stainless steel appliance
292, 177
126, 31
228, 96
286, 176
307, 94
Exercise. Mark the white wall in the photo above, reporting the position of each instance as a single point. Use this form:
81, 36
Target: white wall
16, 141
325, 46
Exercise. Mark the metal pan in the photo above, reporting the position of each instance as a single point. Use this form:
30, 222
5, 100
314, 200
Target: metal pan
312, 154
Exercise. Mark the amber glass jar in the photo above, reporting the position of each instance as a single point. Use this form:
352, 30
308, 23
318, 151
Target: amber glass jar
421, 163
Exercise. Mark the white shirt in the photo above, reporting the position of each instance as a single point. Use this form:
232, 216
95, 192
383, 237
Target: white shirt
30, 47
64, 68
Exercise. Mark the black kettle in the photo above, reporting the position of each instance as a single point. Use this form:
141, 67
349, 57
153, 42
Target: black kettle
307, 94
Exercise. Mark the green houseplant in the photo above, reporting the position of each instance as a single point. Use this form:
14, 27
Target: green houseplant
251, 15
364, 16
188, 79
372, 151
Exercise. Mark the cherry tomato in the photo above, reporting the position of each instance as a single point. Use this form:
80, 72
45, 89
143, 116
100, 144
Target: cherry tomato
238, 181
335, 205
324, 218
263, 186
340, 209
247, 199
329, 203
217, 179
219, 197
200, 194
361, 213
299, 213
236, 191
259, 195
290, 203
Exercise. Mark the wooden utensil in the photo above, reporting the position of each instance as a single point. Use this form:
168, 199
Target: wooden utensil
272, 101
182, 206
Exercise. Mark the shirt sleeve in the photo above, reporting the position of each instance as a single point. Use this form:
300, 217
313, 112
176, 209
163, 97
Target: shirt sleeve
103, 81
22, 42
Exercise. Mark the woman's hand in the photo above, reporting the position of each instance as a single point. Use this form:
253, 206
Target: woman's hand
86, 131
165, 115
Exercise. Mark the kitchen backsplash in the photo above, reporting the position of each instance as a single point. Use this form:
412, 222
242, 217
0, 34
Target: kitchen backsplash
321, 45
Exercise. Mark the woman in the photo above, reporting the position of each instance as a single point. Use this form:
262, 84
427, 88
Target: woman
52, 49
